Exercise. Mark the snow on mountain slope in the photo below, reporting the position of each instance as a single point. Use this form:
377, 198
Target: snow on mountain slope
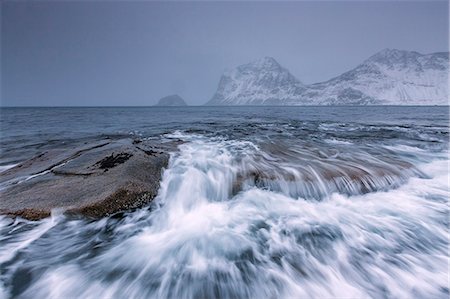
391, 77
262, 82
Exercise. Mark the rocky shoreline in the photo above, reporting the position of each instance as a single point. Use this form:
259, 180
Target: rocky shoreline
95, 179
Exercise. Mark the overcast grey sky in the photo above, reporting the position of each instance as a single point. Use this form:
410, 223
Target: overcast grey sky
133, 53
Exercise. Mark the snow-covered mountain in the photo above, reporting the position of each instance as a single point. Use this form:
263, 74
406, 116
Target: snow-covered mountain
390, 77
262, 82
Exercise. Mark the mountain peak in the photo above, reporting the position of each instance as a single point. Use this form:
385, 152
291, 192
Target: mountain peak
261, 82
391, 51
390, 56
266, 62
390, 76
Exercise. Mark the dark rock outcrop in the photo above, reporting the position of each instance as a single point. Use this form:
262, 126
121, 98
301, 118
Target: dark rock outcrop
172, 100
95, 179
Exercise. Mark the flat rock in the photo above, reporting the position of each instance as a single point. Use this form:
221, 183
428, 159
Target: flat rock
94, 179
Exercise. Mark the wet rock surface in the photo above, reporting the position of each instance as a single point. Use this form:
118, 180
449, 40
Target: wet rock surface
94, 179
307, 172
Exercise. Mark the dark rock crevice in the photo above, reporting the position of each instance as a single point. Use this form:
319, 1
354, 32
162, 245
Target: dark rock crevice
113, 160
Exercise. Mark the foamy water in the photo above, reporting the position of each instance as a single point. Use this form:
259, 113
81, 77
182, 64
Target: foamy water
270, 210
205, 238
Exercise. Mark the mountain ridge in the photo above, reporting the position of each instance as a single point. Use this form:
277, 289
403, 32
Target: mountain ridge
389, 77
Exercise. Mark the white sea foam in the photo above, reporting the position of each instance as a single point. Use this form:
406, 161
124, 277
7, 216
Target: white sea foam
205, 239
6, 167
11, 246
337, 141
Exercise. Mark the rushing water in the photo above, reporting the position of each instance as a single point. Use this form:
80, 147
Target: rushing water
265, 202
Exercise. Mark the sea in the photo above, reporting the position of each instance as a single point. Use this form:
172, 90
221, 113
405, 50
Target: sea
258, 202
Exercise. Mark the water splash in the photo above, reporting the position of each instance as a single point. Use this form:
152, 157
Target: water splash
215, 231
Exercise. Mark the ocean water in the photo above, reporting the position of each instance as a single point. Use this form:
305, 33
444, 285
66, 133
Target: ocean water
259, 202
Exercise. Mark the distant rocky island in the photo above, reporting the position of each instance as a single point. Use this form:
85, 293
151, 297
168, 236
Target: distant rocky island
172, 100
390, 77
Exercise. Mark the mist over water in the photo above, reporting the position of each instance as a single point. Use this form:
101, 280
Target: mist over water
276, 202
